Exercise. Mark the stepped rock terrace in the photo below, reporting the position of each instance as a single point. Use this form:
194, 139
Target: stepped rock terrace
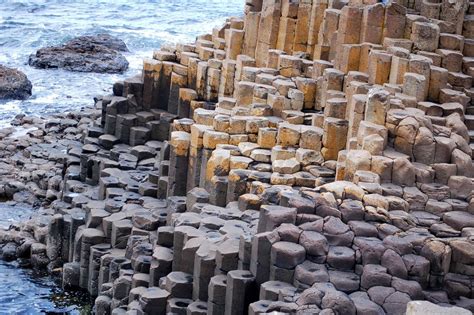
312, 157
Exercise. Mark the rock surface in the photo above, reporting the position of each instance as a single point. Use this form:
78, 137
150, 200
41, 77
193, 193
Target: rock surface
99, 53
202, 180
14, 84
106, 40
424, 307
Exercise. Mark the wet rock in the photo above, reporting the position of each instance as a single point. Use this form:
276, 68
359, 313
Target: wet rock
102, 305
14, 84
71, 274
84, 54
8, 251
39, 258
23, 251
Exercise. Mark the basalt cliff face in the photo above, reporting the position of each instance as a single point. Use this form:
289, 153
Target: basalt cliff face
310, 157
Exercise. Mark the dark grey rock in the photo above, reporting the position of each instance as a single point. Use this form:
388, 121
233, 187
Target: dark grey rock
14, 84
84, 54
9, 251
104, 39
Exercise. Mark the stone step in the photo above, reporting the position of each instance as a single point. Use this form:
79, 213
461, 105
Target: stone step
148, 189
469, 121
470, 110
471, 136
468, 19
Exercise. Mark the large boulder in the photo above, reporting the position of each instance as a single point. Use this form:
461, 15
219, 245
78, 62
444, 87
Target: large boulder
14, 84
100, 53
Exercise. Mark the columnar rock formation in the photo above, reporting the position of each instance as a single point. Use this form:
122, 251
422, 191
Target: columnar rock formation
310, 157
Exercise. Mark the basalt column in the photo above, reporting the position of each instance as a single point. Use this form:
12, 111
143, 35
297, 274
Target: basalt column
178, 168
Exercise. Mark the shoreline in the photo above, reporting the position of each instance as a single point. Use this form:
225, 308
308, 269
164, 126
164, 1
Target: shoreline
38, 290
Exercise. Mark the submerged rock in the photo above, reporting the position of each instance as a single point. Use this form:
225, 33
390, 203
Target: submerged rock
98, 53
8, 251
14, 84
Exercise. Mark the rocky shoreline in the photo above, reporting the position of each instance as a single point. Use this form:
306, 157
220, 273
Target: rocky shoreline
261, 169
33, 154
